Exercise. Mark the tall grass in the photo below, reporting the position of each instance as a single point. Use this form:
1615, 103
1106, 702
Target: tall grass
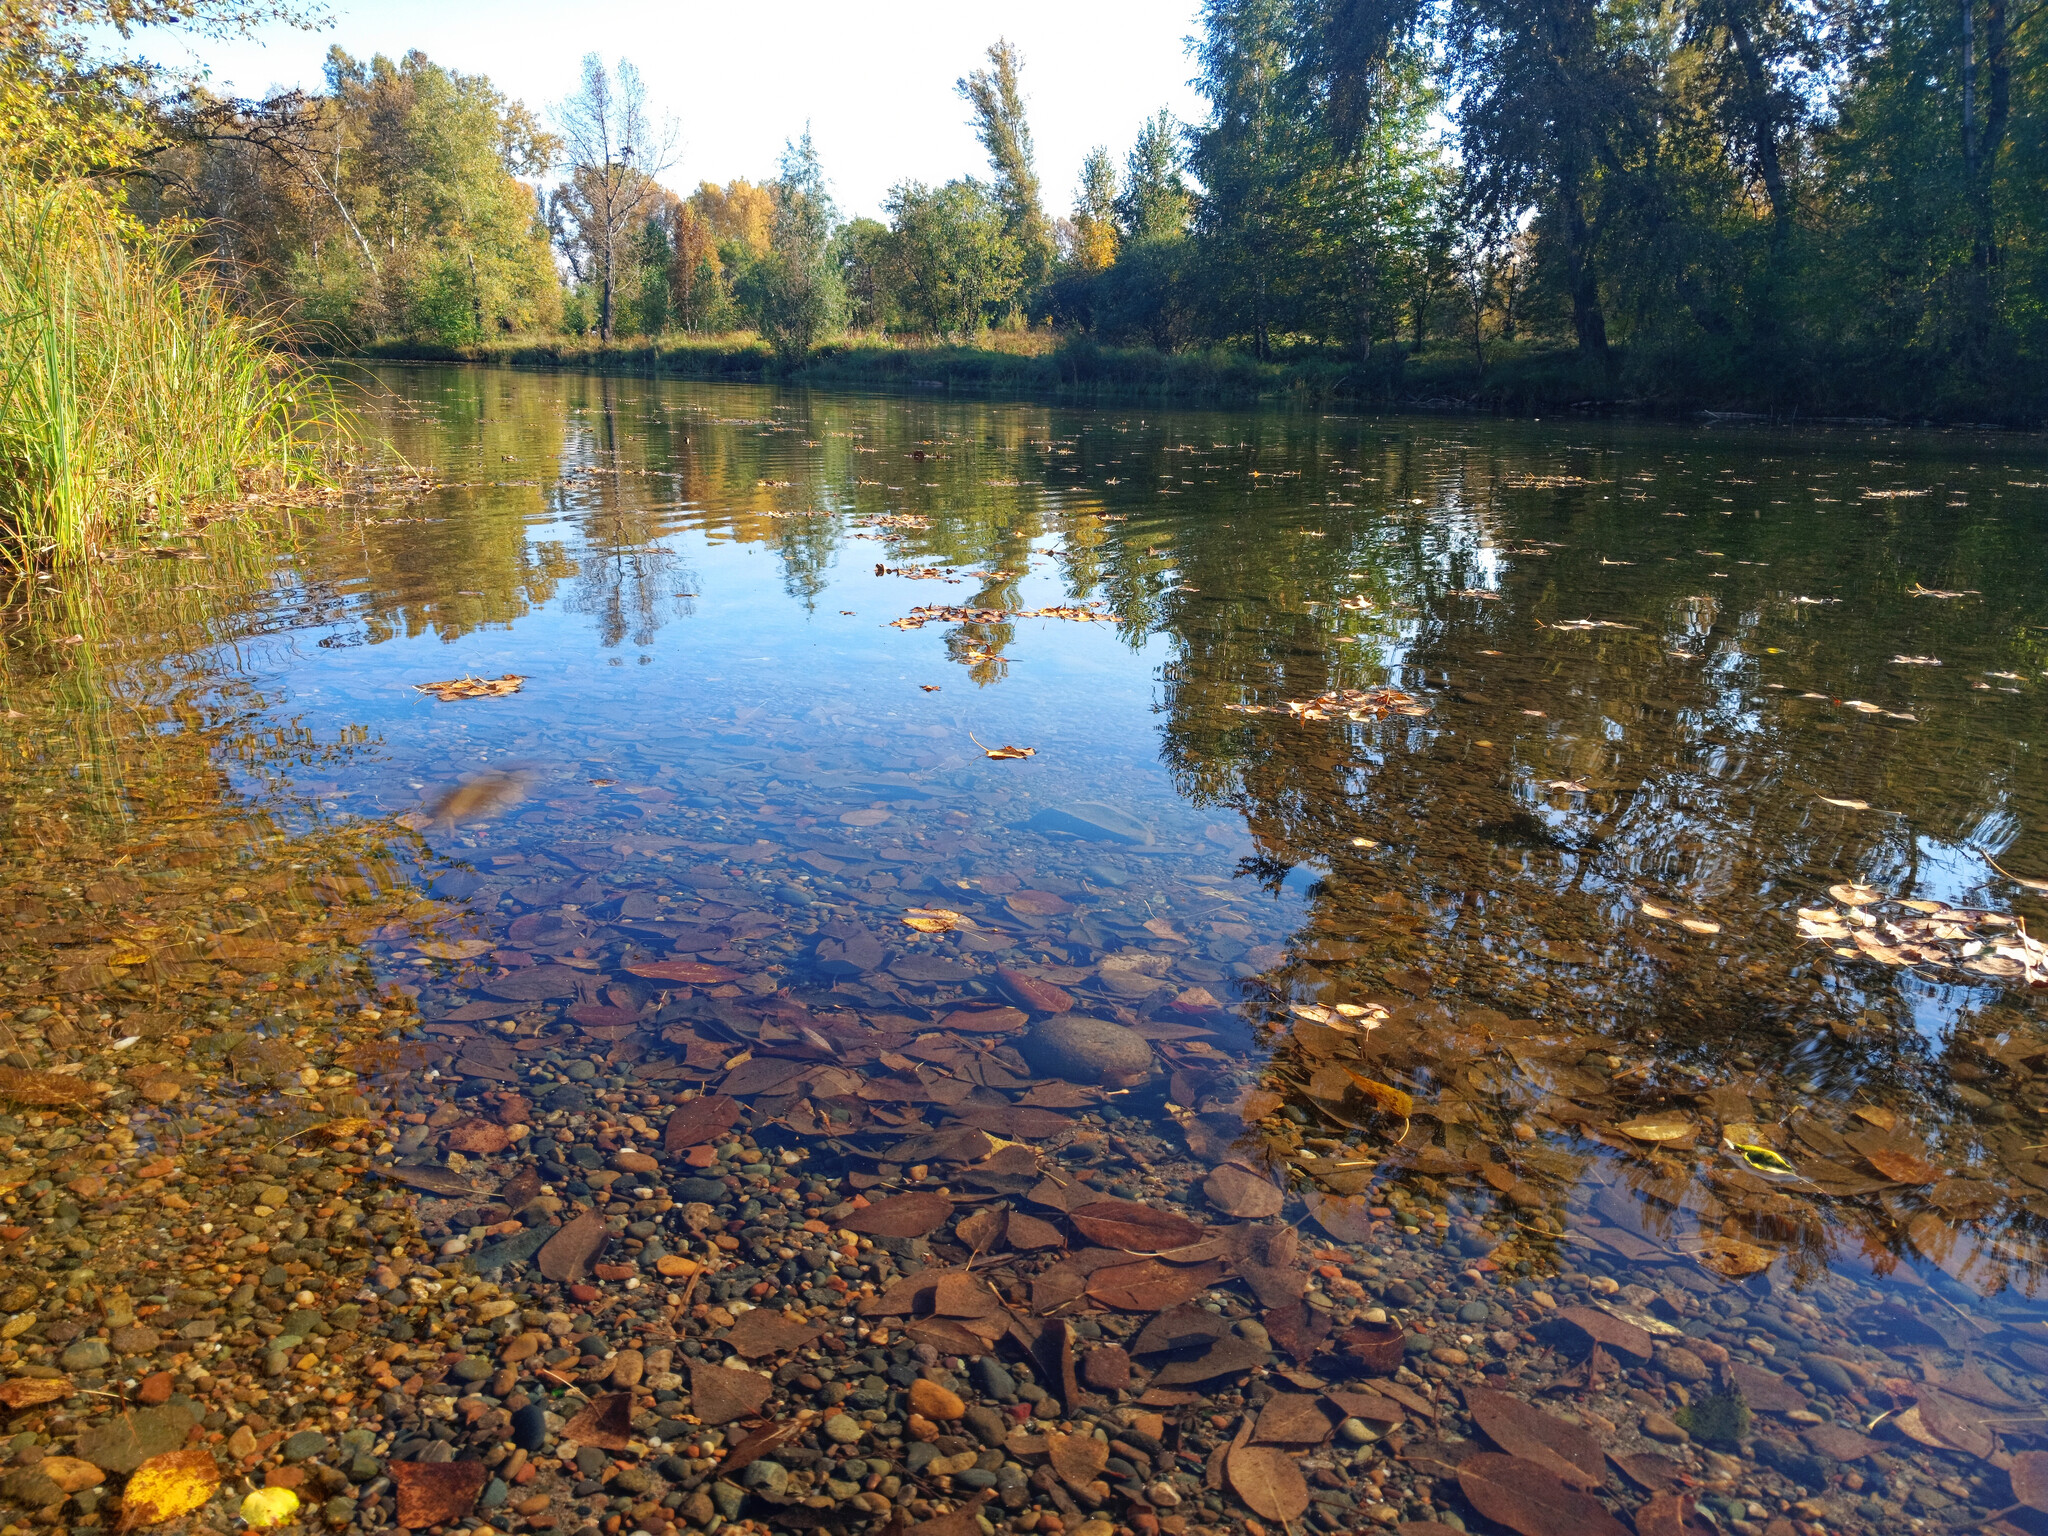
133, 401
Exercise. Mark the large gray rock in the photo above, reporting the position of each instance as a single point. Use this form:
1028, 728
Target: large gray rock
1093, 820
1085, 1050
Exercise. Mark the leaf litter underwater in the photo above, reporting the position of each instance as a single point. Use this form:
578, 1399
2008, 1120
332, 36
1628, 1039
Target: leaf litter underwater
747, 1118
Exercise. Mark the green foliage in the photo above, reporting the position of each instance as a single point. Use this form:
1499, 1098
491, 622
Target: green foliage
801, 296
131, 398
997, 97
952, 266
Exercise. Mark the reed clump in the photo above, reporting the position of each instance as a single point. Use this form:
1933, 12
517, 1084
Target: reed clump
134, 402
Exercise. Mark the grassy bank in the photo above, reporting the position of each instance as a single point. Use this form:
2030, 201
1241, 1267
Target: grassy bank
1515, 378
132, 400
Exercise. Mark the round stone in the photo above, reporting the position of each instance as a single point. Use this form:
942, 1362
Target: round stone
1085, 1050
304, 1445
86, 1355
935, 1402
1472, 1312
842, 1429
530, 1427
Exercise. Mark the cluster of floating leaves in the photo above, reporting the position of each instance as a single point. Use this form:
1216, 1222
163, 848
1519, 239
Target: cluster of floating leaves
1342, 704
1870, 925
942, 613
467, 687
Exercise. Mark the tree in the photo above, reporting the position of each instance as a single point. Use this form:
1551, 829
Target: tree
1094, 242
860, 250
802, 298
1154, 202
998, 103
615, 151
951, 261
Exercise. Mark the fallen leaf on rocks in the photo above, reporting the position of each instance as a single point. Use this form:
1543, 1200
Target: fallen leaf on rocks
1293, 1418
1237, 1191
911, 1215
1527, 1499
1227, 1357
48, 1089
1377, 1347
173, 1484
762, 1332
1150, 1286
455, 949
1900, 1165
605, 1422
1730, 1257
961, 1521
718, 1395
436, 1492
935, 919
695, 973
983, 1230
1348, 1218
1659, 1127
1521, 1429
32, 1391
568, 1254
1669, 1514
2029, 1475
1025, 1233
1388, 1101
1133, 1227
1078, 1459
1037, 903
1596, 1327
699, 1121
1268, 1480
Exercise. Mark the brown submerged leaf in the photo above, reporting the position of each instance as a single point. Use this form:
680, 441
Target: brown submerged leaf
2029, 1475
31, 1391
1527, 1499
568, 1254
718, 1395
1078, 1459
1133, 1227
1237, 1191
911, 1215
699, 1121
1521, 1429
437, 1492
1268, 1480
605, 1422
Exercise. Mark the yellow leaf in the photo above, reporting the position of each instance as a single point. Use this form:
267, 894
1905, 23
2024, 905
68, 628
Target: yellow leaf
936, 919
269, 1506
1762, 1159
1390, 1100
167, 1486
1657, 1128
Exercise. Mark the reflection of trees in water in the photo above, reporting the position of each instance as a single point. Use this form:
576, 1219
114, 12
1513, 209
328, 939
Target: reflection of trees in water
1494, 894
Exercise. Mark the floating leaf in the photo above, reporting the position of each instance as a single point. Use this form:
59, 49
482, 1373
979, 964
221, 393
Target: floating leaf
1847, 805
1268, 1480
453, 949
1855, 895
1698, 925
173, 1484
467, 687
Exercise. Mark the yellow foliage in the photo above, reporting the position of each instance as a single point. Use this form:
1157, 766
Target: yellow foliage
267, 1507
167, 1486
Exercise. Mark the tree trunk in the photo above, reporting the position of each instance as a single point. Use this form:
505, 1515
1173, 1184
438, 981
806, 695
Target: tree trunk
1588, 322
476, 296
604, 303
1763, 130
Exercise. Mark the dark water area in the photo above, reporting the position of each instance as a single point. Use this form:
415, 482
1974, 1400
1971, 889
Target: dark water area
1544, 869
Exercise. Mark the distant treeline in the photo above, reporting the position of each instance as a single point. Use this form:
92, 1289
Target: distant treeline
1775, 203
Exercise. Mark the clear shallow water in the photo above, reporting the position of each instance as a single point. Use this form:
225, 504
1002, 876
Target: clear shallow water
1659, 689
686, 577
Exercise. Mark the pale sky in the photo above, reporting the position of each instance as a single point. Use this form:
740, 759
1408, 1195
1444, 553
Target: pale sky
875, 80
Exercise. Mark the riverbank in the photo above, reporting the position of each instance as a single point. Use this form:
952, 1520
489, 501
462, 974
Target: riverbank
1515, 379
